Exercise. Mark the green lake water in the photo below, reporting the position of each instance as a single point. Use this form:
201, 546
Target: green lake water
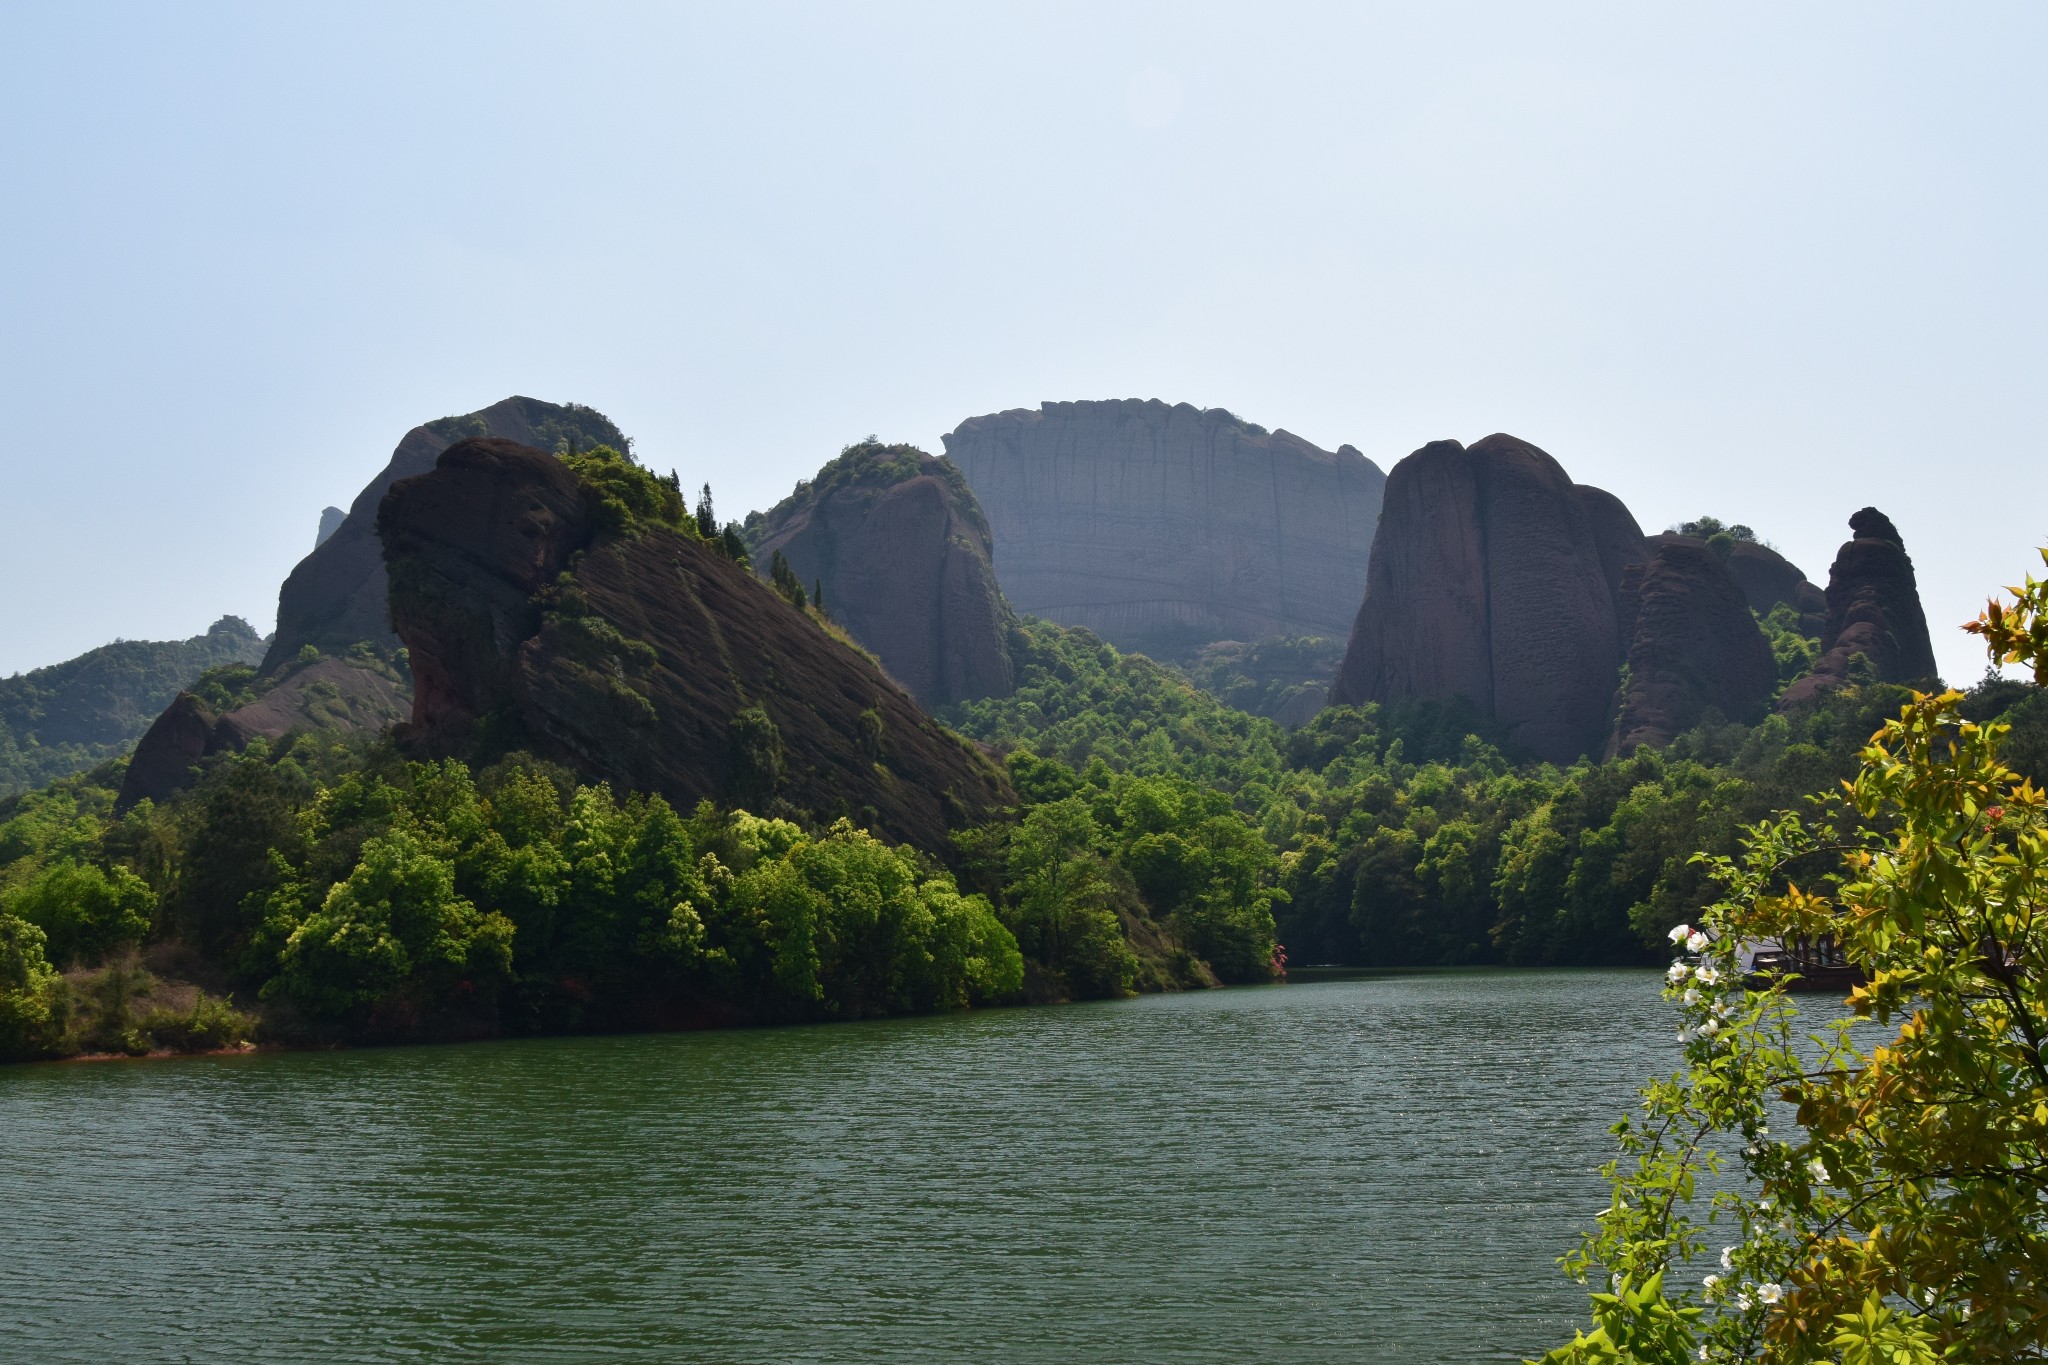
1380, 1169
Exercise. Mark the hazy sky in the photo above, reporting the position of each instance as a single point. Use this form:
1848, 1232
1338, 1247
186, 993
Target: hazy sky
1772, 262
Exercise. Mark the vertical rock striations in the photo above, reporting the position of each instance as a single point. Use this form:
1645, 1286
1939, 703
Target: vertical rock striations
647, 660
1767, 578
335, 597
901, 551
1694, 646
1873, 611
1167, 527
1490, 579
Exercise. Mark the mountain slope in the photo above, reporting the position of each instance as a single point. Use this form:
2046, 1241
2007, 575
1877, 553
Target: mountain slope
642, 657
63, 719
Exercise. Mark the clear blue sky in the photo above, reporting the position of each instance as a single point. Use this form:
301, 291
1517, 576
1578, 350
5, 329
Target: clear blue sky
1767, 261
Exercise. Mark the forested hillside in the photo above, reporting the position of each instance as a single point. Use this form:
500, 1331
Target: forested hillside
1409, 834
63, 719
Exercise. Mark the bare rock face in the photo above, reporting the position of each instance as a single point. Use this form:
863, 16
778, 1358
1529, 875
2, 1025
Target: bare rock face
650, 661
1616, 536
343, 696
330, 522
1487, 581
901, 551
168, 751
1163, 528
336, 595
1694, 645
1767, 579
1873, 611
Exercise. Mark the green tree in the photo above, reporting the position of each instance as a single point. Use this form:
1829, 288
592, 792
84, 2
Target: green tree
85, 910
707, 516
1063, 913
1902, 1217
394, 923
756, 757
28, 984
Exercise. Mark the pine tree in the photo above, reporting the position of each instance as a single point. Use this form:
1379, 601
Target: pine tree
707, 520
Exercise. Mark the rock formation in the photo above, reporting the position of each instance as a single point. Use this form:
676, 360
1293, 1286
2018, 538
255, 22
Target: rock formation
1164, 528
1767, 579
900, 549
1694, 645
348, 695
169, 750
1873, 611
336, 595
1495, 578
654, 663
1617, 539
334, 599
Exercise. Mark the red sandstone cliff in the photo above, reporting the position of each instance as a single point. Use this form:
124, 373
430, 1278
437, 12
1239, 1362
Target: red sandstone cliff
1873, 610
1490, 579
1694, 646
648, 660
335, 597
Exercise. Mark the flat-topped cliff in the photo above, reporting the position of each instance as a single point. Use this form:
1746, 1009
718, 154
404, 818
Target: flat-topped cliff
1165, 527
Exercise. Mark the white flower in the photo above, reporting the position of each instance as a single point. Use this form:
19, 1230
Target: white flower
1721, 1010
1711, 1027
1706, 976
1677, 973
1696, 942
1702, 1353
1710, 1282
1819, 1170
1727, 1258
1686, 1035
1770, 1292
1742, 1303
1691, 996
1681, 933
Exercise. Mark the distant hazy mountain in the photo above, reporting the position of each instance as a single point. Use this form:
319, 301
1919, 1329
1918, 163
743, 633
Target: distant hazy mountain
63, 719
1164, 528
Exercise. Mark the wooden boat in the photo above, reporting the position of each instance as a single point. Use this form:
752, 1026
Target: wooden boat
1800, 964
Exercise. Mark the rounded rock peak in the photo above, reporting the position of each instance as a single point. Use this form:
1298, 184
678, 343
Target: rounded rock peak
1871, 524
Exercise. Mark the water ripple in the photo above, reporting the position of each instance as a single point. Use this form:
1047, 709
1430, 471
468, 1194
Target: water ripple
1376, 1169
